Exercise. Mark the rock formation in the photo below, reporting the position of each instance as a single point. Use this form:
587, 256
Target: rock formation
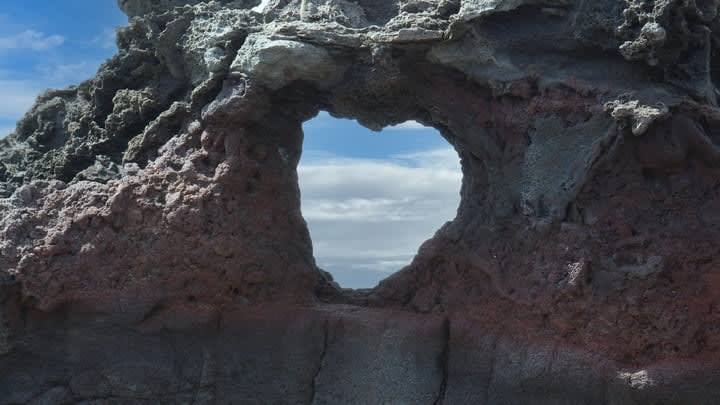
152, 248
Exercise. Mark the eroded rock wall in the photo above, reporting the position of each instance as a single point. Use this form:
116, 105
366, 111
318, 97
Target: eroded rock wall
155, 208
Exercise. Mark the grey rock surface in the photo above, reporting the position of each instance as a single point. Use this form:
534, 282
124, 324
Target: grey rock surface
152, 248
174, 54
331, 355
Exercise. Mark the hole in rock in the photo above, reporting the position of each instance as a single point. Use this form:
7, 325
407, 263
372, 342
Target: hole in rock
371, 199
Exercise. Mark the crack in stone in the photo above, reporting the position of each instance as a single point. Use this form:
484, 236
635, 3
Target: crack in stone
444, 363
313, 386
493, 359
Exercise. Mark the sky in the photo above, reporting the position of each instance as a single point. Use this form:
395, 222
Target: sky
50, 44
370, 198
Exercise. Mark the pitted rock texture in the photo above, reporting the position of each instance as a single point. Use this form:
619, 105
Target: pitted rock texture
159, 201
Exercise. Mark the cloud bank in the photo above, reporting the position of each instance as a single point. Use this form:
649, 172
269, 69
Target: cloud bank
30, 40
368, 217
408, 125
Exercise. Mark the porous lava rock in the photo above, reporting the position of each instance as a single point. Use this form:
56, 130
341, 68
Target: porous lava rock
152, 248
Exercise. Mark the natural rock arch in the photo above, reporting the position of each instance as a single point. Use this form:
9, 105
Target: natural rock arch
371, 199
583, 249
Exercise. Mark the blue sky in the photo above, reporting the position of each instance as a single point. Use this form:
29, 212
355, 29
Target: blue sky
370, 198
348, 138
50, 44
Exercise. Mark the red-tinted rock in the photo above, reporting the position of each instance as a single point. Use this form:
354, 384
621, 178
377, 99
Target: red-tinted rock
152, 248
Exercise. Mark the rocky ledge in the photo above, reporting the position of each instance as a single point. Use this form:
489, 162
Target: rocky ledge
152, 248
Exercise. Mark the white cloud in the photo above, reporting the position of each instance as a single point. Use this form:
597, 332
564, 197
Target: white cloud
368, 217
408, 125
401, 177
30, 40
324, 120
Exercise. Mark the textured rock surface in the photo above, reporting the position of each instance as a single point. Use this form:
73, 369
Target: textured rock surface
152, 248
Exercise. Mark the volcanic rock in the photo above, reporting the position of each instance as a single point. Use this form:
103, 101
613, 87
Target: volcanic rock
152, 248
